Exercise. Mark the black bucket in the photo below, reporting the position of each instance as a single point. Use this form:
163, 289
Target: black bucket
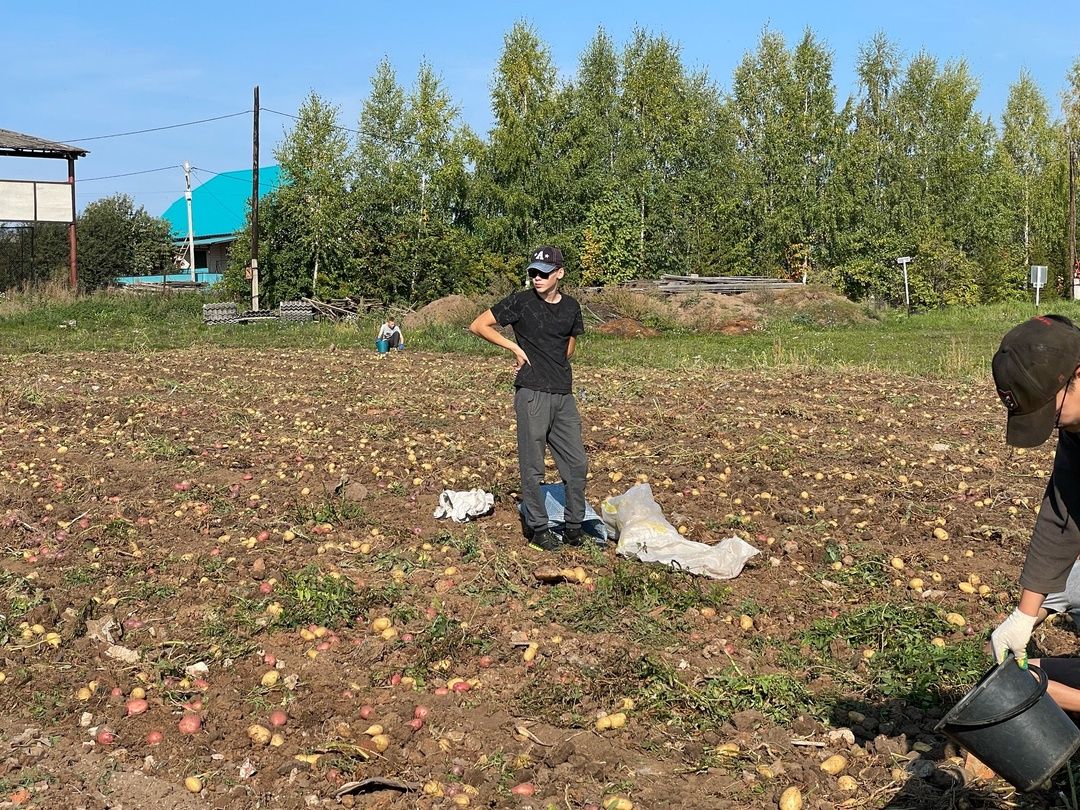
1009, 722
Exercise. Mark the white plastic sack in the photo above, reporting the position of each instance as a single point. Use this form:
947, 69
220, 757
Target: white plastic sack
643, 531
464, 505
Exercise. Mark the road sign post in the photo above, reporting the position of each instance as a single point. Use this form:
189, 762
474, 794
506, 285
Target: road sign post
1038, 280
904, 261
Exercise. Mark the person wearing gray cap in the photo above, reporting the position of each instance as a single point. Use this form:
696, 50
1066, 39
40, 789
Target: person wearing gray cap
1036, 370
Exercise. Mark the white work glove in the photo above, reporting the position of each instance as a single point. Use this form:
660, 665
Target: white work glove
1012, 635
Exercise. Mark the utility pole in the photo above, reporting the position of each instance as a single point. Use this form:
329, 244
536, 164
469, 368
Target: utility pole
1072, 216
255, 205
190, 229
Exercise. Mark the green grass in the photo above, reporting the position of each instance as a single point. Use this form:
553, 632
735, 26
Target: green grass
950, 342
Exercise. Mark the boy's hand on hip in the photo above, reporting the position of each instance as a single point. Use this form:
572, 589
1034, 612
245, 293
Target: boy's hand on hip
520, 358
1012, 635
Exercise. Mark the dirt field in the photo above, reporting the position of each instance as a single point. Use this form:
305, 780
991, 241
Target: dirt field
245, 533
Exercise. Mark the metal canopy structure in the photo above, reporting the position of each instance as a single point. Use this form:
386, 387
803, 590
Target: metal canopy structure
34, 201
15, 144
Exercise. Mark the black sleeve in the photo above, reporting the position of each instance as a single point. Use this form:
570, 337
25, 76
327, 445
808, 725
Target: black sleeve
508, 310
1055, 543
579, 325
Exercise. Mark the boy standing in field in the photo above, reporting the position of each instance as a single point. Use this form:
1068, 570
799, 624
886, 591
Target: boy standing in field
1036, 372
546, 324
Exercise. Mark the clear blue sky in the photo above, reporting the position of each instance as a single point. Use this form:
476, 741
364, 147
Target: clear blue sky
77, 70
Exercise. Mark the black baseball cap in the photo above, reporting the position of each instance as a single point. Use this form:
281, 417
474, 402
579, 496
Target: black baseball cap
546, 259
1035, 361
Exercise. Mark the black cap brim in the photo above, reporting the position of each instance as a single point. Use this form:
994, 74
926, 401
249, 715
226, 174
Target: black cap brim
1031, 429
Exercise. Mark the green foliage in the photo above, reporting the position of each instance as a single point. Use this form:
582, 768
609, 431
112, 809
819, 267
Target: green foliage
638, 166
117, 239
648, 600
905, 664
309, 596
32, 253
715, 698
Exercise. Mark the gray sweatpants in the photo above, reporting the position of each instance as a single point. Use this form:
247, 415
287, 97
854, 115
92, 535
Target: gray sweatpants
1068, 600
550, 420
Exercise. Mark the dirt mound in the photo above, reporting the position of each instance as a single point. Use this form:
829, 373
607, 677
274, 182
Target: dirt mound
626, 327
812, 306
453, 310
711, 312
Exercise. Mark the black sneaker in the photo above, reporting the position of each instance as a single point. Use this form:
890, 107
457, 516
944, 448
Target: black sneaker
573, 536
546, 540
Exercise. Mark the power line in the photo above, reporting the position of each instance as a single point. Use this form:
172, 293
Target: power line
157, 129
373, 135
126, 174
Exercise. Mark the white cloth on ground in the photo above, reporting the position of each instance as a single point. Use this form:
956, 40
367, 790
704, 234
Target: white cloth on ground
464, 505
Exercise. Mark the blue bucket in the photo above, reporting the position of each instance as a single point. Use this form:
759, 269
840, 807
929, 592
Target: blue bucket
383, 346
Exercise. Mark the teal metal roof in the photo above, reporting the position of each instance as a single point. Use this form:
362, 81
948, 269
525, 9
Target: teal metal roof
219, 206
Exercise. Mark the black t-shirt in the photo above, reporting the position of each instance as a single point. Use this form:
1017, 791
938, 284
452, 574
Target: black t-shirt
543, 331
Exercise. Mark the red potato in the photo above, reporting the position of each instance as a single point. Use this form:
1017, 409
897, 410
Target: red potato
263, 536
278, 718
523, 789
416, 724
366, 711
421, 712
105, 737
270, 659
462, 686
441, 690
189, 724
154, 738
136, 706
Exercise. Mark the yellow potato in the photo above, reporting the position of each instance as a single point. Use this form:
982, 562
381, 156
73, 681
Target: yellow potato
193, 784
956, 620
834, 764
381, 741
259, 735
791, 799
270, 678
847, 783
380, 624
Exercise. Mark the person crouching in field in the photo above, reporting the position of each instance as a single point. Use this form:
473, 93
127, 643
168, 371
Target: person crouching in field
546, 326
1036, 371
390, 331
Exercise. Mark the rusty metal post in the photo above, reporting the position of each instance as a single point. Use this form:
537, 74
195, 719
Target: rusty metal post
74, 275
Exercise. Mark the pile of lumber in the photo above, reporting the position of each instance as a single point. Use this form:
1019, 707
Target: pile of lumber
729, 285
